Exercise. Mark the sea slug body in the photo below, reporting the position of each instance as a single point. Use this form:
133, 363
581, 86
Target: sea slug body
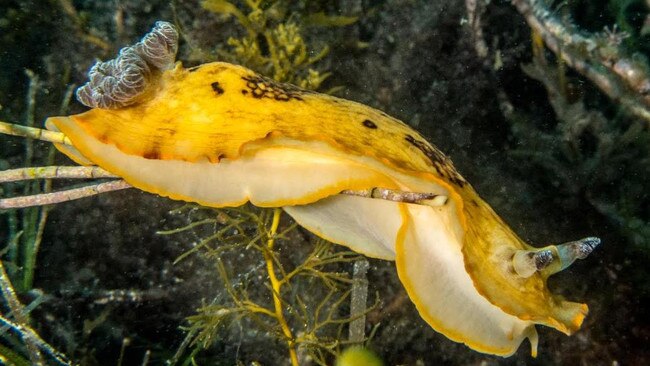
221, 135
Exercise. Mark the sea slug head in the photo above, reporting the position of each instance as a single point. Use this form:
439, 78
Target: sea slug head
512, 275
122, 81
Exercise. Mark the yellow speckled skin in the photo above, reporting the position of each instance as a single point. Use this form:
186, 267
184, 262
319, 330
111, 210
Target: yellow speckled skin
225, 106
213, 111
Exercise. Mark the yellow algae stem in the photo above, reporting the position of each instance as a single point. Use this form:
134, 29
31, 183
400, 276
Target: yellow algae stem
276, 285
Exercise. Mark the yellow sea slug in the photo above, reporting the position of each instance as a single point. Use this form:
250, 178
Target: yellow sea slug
221, 135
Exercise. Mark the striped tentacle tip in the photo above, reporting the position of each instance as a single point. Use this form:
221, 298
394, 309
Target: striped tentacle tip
120, 82
579, 249
552, 259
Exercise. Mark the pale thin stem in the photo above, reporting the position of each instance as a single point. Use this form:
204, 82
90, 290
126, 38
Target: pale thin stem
30, 335
29, 115
617, 75
358, 299
54, 172
94, 172
34, 133
67, 97
62, 196
145, 359
475, 9
17, 309
398, 196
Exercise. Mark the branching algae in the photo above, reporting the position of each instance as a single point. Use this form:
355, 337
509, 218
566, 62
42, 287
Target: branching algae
221, 135
290, 315
273, 44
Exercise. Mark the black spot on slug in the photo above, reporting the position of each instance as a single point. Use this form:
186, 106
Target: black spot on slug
217, 88
370, 124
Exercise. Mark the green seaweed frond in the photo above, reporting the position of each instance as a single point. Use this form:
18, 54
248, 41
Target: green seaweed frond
25, 228
21, 241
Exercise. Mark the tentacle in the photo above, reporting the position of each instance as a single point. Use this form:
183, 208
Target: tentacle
552, 259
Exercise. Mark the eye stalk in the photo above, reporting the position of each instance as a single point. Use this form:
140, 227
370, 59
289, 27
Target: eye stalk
552, 259
119, 82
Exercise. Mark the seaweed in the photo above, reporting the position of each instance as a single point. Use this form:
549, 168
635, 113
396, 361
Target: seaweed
24, 234
309, 297
588, 156
595, 151
274, 44
310, 323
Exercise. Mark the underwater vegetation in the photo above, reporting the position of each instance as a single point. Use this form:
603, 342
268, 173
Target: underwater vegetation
242, 282
225, 135
599, 155
205, 324
318, 327
273, 44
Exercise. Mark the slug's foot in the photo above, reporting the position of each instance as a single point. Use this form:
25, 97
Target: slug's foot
552, 259
119, 82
